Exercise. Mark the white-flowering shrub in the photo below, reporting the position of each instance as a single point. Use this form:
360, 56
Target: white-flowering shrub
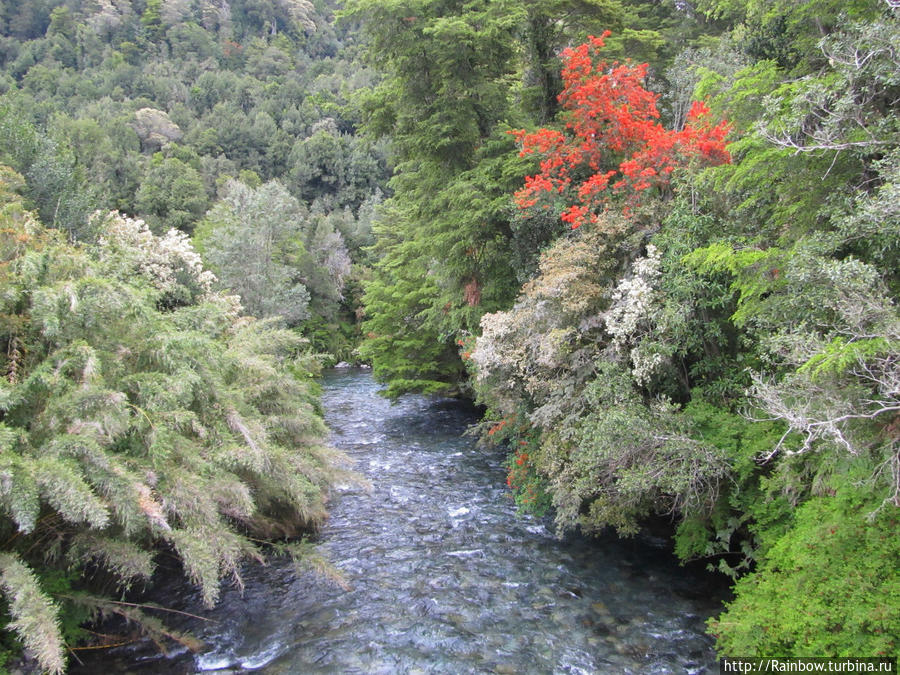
633, 300
492, 351
645, 363
169, 263
549, 336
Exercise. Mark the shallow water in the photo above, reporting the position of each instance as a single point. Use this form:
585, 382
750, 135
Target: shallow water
444, 576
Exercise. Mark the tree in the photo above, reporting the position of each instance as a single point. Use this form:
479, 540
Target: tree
642, 30
56, 183
813, 138
327, 264
548, 26
108, 150
611, 121
151, 19
336, 165
253, 239
268, 248
447, 90
174, 12
106, 18
171, 194
446, 64
155, 129
785, 32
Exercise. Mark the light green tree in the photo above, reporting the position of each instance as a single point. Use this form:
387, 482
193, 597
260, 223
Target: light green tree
139, 408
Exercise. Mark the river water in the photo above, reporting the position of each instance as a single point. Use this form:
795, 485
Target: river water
444, 576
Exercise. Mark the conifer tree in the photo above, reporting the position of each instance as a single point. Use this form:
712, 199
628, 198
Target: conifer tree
442, 102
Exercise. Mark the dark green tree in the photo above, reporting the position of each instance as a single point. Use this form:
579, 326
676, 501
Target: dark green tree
171, 194
56, 182
151, 19
448, 87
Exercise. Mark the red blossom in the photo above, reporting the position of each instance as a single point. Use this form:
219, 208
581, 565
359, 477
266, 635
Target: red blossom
611, 119
497, 427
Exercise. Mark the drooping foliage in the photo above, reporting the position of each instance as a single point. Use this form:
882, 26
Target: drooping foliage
141, 411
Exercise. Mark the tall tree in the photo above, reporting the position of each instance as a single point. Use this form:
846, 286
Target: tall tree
282, 260
447, 89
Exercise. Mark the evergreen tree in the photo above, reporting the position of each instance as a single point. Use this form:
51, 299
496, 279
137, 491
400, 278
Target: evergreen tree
442, 103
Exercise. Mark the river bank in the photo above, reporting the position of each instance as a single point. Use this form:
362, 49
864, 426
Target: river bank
442, 575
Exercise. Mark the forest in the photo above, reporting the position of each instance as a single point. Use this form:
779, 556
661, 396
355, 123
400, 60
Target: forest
657, 241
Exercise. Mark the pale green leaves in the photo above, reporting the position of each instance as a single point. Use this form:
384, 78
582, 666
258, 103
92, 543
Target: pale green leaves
142, 408
34, 614
274, 253
27, 480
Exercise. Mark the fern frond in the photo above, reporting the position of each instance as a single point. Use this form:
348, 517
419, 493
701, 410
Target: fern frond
209, 556
234, 498
63, 486
250, 436
19, 492
126, 559
35, 617
840, 355
107, 474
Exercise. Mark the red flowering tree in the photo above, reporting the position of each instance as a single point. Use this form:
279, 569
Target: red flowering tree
612, 140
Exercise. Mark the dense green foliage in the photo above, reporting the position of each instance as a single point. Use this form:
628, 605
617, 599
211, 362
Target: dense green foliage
139, 411
716, 344
151, 107
282, 260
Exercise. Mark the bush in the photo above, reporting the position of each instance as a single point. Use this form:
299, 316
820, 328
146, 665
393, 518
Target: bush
140, 410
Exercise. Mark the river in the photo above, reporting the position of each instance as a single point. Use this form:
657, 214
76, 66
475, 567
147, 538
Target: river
444, 576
